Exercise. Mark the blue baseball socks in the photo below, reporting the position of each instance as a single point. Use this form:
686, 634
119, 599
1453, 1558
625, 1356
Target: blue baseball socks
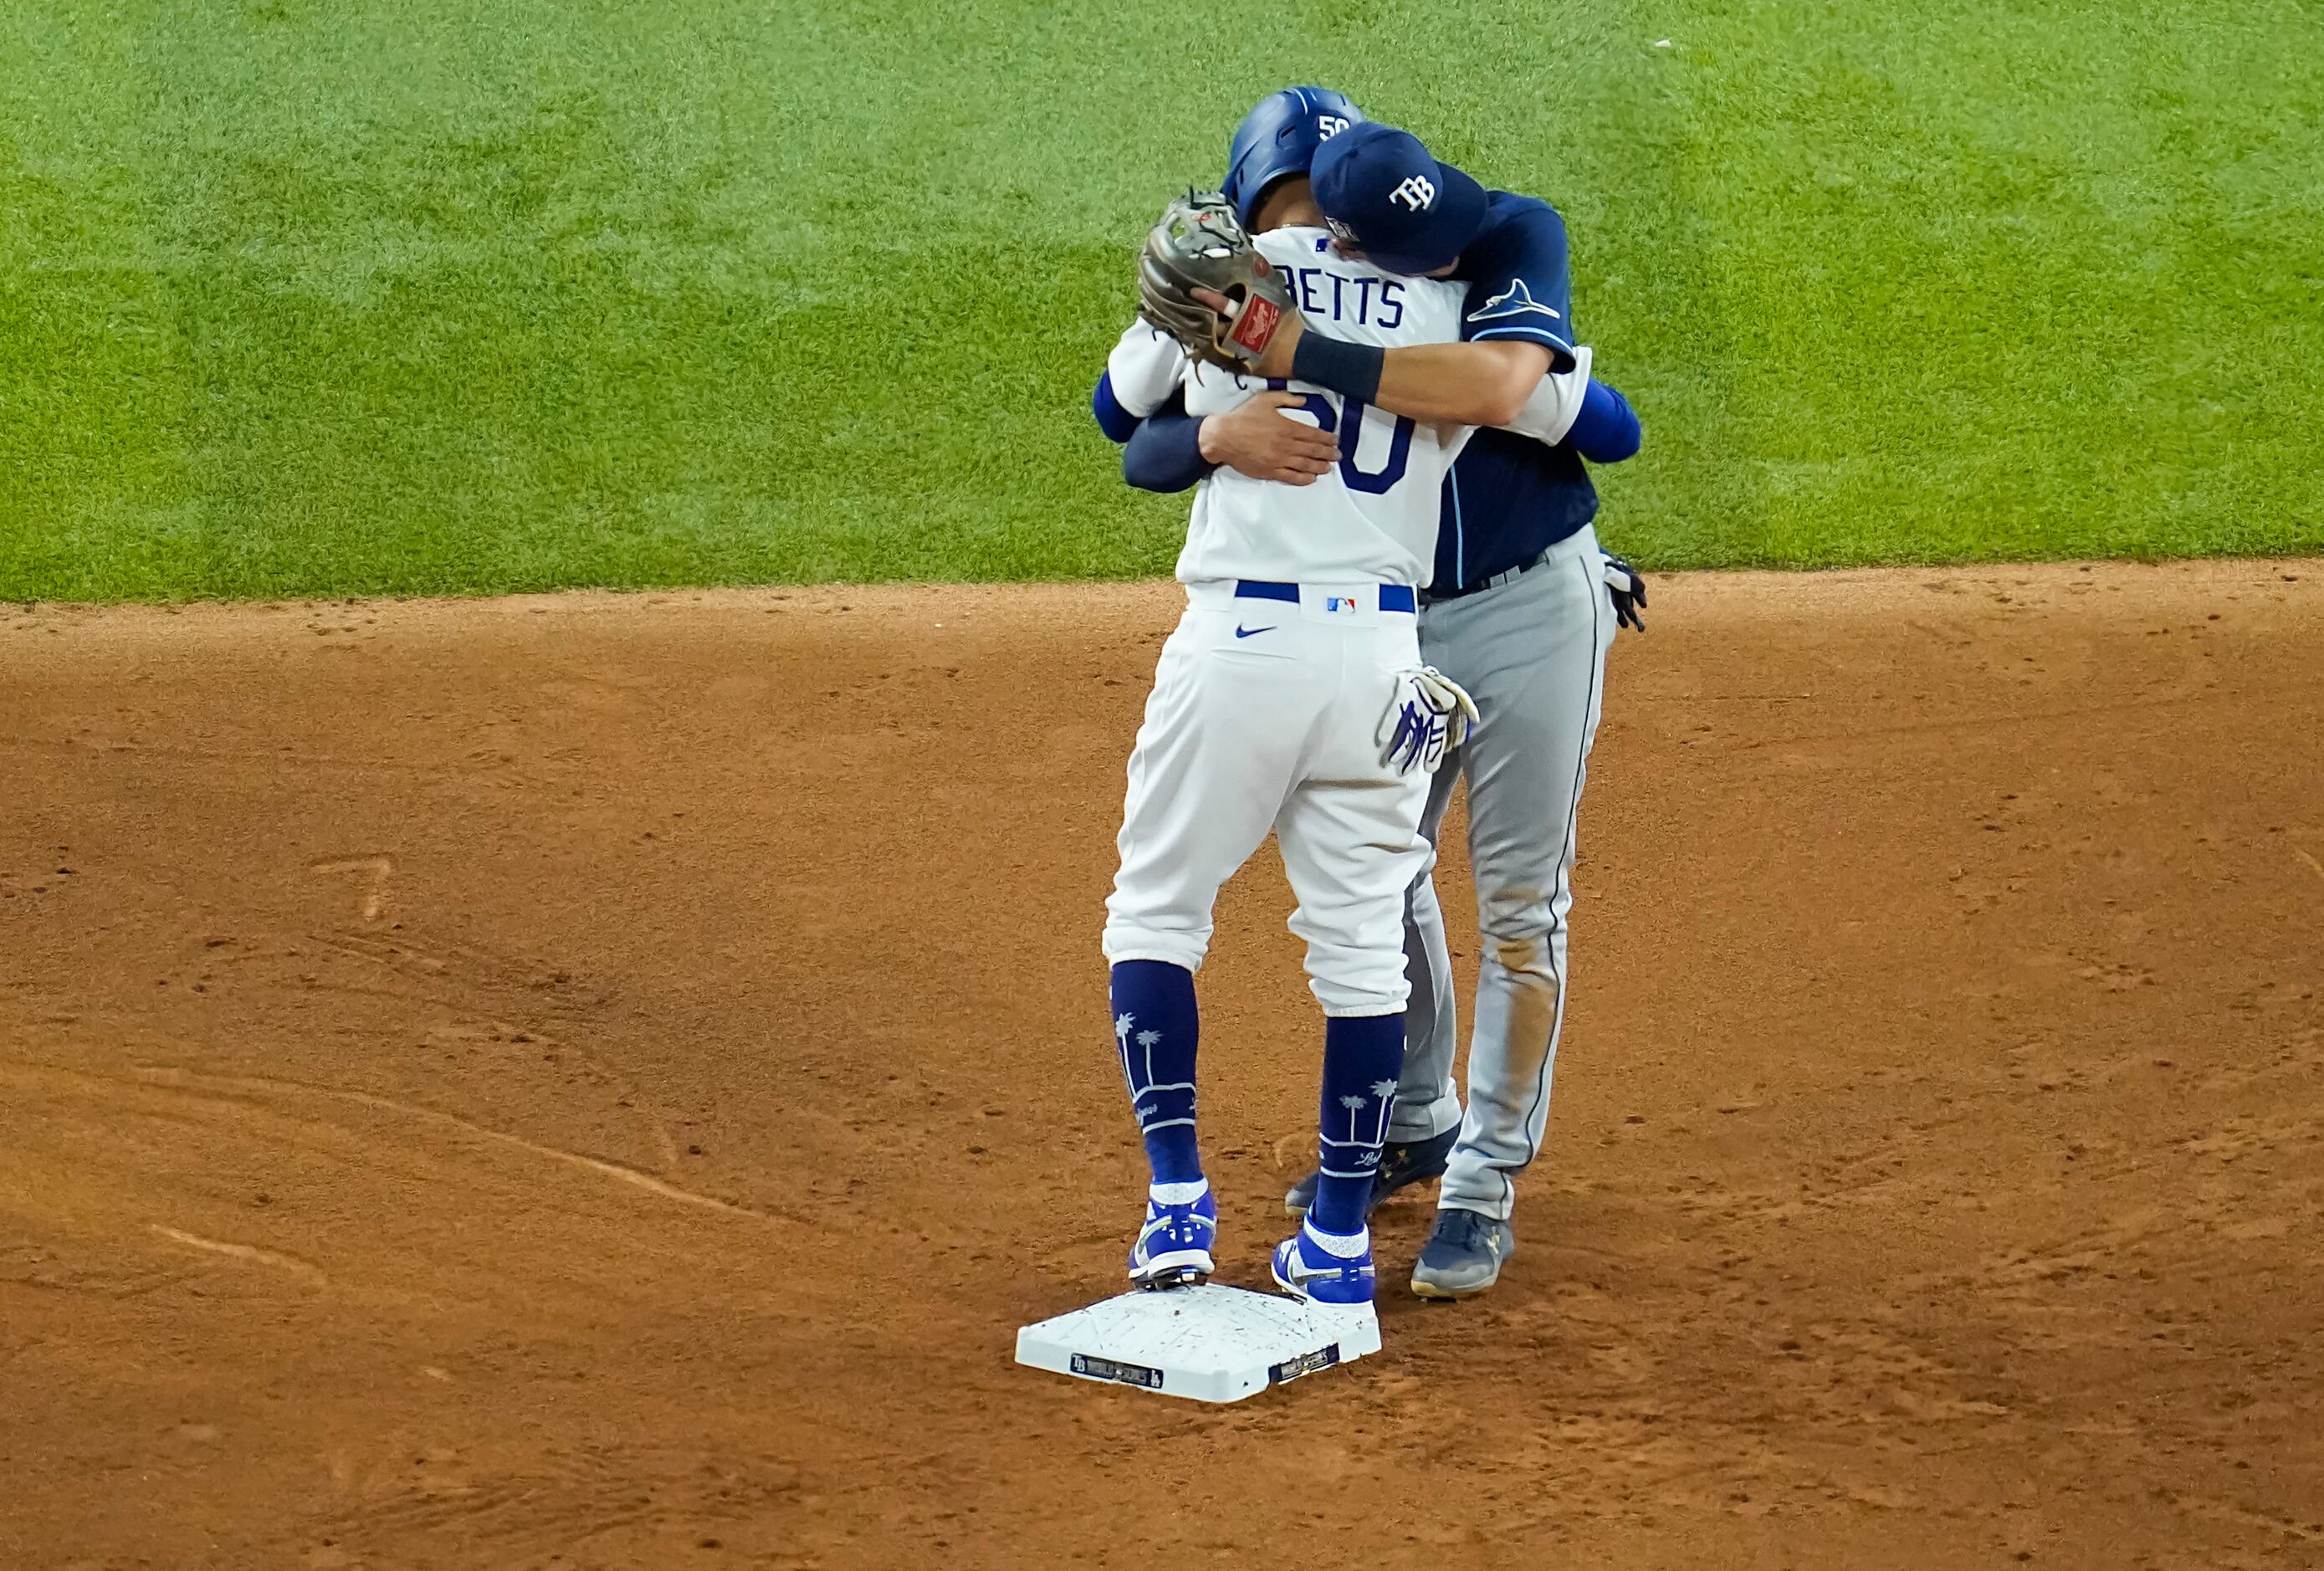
1155, 1030
1363, 1057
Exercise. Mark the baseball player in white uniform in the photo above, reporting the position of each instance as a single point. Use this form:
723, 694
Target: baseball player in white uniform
1291, 698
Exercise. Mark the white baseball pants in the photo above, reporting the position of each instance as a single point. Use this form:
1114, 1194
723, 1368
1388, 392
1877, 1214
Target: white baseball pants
1264, 714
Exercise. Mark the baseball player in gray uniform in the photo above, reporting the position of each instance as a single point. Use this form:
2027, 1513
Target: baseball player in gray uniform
1521, 611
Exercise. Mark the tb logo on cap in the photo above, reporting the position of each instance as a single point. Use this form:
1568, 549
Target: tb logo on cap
1416, 193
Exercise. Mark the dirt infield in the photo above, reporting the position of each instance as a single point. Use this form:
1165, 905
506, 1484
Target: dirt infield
597, 1081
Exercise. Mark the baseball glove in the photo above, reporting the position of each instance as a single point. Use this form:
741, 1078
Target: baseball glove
1200, 244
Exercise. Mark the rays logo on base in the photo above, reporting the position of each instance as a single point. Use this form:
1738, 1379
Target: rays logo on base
1091, 1367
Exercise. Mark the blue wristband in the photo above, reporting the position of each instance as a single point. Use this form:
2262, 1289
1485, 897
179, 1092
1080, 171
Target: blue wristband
1351, 370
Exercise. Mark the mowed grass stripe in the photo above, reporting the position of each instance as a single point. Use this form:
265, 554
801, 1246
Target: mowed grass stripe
455, 296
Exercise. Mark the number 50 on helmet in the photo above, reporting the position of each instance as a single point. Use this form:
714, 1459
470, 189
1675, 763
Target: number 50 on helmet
1278, 139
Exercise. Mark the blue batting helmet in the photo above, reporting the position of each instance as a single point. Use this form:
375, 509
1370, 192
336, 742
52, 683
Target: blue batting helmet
1278, 138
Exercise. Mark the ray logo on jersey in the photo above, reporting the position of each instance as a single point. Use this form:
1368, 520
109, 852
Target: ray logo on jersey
1517, 300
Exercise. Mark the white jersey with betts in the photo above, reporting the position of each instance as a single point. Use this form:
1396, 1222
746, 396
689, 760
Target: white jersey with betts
1372, 517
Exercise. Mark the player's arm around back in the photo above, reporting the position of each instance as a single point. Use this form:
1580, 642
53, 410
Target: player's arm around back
1469, 385
1515, 326
1170, 451
1461, 384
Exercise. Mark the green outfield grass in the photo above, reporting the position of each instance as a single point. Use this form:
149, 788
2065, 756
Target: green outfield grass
451, 295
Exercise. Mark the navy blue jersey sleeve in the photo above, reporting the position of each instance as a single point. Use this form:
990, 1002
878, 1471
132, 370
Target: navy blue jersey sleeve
1166, 451
1518, 283
1607, 430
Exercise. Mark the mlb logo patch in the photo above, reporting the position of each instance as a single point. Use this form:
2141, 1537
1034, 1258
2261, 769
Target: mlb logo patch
1340, 604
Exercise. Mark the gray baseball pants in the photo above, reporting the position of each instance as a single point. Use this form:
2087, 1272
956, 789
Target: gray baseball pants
1532, 652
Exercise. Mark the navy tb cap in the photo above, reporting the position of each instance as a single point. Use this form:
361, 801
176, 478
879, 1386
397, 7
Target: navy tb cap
1382, 194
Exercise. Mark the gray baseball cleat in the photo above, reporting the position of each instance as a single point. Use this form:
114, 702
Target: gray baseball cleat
1402, 1164
1462, 1256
